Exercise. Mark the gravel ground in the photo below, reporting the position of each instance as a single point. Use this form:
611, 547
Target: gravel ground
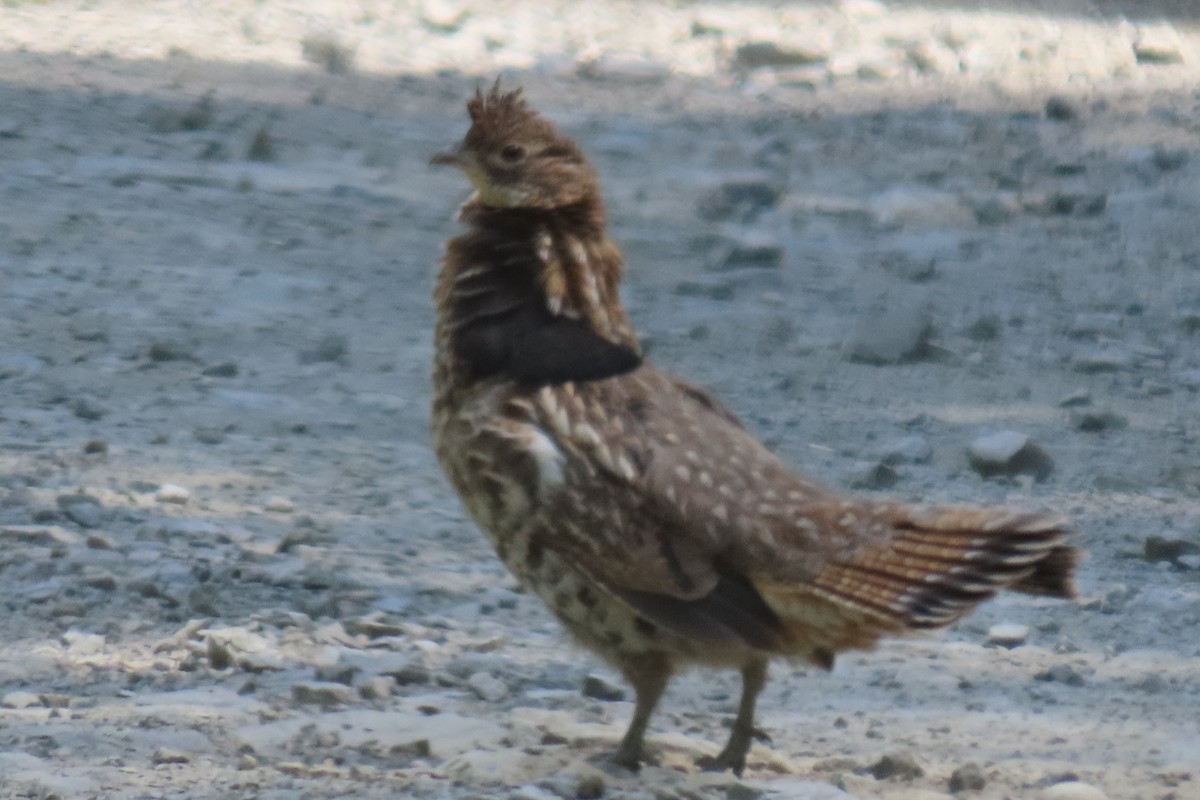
883, 233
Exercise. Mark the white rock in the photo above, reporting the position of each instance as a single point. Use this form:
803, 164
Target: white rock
1073, 790
20, 700
280, 505
171, 493
998, 448
1008, 634
83, 644
38, 534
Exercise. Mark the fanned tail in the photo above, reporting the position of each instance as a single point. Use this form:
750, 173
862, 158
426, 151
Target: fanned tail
938, 565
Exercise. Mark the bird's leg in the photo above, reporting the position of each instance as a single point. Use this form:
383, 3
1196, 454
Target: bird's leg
649, 676
733, 756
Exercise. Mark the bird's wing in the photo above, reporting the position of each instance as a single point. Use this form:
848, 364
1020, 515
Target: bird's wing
667, 501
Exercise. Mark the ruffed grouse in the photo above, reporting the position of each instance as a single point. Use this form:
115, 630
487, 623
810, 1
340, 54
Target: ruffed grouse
656, 528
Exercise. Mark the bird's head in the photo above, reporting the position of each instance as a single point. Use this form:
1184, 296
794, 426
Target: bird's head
516, 158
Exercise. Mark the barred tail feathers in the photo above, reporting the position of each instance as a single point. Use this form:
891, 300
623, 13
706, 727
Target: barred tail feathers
939, 564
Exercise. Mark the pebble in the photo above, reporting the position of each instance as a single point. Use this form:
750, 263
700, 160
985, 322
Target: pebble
1076, 399
85, 514
279, 505
747, 249
331, 347
590, 786
88, 408
1097, 421
1073, 790
171, 493
225, 369
902, 766
871, 475
96, 541
740, 197
967, 778
1008, 634
1060, 109
1157, 46
80, 643
986, 328
165, 755
633, 69
755, 55
326, 695
168, 351
487, 687
209, 434
377, 687
1160, 548
1009, 453
896, 335
906, 206
914, 449
20, 699
44, 535
1061, 673
711, 287
599, 688
444, 16
338, 673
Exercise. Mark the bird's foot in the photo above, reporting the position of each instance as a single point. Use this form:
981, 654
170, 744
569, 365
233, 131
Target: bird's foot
733, 756
628, 758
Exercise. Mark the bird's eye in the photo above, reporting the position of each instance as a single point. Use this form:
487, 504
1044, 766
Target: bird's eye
512, 153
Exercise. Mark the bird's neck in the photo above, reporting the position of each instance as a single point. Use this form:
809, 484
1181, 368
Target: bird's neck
563, 253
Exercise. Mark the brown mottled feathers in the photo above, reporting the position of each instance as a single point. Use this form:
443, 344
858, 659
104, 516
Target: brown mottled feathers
655, 527
672, 497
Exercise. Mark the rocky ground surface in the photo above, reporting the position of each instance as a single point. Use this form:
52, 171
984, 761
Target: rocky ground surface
938, 254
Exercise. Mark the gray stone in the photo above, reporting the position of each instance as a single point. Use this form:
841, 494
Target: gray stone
746, 249
740, 197
326, 695
1061, 673
487, 687
892, 337
86, 515
1160, 548
913, 449
902, 766
599, 688
967, 778
88, 408
871, 475
1097, 421
1076, 399
331, 347
165, 755
754, 55
377, 687
1009, 453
